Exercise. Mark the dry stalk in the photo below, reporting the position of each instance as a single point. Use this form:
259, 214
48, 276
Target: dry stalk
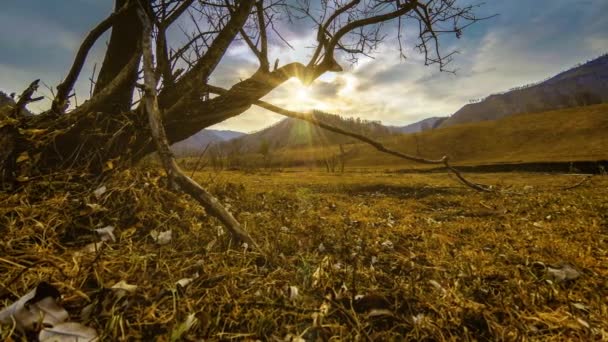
579, 183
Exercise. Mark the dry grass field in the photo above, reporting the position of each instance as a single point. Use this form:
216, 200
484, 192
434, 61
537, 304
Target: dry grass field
353, 256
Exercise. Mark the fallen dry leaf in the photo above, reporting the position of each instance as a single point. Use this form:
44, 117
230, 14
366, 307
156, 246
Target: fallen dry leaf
68, 332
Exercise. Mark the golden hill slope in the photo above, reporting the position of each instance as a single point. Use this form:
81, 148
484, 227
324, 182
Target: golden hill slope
573, 134
580, 86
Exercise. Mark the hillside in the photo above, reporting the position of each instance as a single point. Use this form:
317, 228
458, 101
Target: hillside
293, 133
422, 125
196, 143
586, 84
573, 134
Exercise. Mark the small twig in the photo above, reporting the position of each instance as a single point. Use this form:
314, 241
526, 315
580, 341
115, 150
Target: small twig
352, 318
200, 158
476, 186
50, 89
5, 288
581, 182
89, 269
92, 81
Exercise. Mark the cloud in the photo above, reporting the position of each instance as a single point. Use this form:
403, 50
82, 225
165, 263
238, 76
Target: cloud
252, 120
515, 49
232, 69
328, 90
39, 40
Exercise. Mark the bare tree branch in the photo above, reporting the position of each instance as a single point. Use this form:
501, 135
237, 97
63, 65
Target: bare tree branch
177, 54
377, 145
333, 42
124, 43
107, 128
106, 93
200, 159
323, 29
175, 174
199, 74
175, 14
265, 65
64, 88
26, 98
163, 66
162, 50
262, 53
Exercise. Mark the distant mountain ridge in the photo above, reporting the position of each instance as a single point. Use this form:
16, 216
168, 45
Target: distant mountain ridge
583, 85
420, 126
195, 144
291, 132
226, 135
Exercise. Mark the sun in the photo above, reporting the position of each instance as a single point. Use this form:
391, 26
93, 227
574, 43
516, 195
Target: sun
299, 96
302, 94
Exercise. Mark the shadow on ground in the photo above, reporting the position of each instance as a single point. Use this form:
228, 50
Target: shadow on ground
395, 191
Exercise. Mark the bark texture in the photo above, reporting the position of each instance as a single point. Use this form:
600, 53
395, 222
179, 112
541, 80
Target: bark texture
125, 42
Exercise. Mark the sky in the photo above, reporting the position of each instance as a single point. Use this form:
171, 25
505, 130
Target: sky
526, 42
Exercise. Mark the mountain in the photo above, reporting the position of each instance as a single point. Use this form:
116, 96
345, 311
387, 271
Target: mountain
197, 143
291, 132
226, 135
420, 126
583, 85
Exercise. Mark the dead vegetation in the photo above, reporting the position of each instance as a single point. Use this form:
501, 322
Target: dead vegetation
370, 256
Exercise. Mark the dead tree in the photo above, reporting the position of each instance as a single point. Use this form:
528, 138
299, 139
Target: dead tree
417, 137
344, 156
330, 164
110, 128
266, 152
338, 159
216, 158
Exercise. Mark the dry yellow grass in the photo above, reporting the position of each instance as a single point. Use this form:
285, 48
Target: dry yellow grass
426, 258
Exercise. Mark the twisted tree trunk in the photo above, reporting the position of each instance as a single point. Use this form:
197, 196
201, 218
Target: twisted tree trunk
124, 44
